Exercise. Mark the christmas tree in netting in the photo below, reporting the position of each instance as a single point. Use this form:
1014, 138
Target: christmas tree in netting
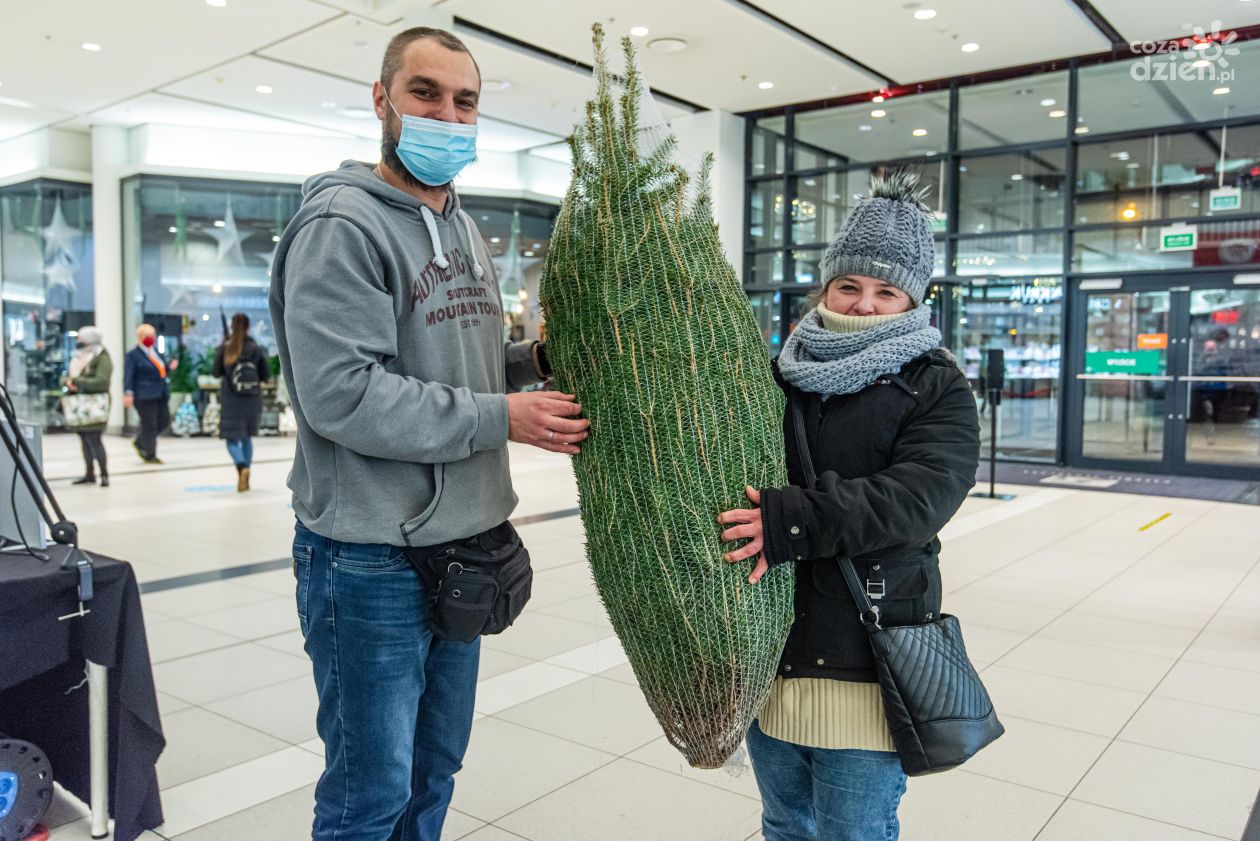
648, 325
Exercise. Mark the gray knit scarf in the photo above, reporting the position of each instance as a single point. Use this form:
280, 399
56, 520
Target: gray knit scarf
823, 361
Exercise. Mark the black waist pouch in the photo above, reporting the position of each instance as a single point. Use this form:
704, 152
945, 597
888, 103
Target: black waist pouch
477, 585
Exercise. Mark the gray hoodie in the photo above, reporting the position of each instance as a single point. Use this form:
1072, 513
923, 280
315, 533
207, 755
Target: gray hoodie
390, 328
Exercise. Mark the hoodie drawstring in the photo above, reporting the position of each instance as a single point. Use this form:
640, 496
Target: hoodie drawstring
431, 225
478, 272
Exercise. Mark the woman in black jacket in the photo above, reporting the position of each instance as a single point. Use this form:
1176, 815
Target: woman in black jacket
891, 426
243, 367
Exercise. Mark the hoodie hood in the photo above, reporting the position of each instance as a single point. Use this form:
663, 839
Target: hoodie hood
363, 176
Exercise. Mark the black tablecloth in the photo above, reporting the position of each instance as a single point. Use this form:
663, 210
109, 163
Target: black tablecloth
42, 659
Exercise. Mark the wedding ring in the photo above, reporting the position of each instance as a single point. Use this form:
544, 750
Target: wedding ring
551, 437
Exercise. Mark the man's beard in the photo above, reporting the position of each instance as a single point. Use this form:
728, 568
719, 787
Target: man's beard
389, 155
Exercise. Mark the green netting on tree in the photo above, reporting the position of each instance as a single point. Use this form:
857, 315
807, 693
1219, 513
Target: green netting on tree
648, 325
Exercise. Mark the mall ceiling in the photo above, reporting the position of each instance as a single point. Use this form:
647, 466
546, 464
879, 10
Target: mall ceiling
305, 66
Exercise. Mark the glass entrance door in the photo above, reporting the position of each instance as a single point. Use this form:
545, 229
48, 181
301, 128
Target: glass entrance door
1167, 377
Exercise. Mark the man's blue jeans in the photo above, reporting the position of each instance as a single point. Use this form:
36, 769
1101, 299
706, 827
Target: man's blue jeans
395, 704
814, 794
242, 452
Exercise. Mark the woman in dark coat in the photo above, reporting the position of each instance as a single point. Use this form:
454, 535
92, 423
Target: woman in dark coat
243, 367
892, 431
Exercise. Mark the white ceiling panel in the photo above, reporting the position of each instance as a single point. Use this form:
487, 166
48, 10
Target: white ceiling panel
347, 46
729, 51
542, 93
144, 44
297, 95
886, 36
1159, 19
176, 111
17, 119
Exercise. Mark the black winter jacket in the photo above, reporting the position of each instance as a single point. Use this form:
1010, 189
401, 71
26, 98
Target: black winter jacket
240, 413
894, 463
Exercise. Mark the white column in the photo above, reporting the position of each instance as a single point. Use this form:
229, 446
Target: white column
721, 133
109, 156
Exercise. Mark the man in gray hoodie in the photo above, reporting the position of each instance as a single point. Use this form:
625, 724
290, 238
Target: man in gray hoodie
388, 317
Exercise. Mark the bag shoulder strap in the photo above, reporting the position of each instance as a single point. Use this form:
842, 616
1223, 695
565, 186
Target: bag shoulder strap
867, 611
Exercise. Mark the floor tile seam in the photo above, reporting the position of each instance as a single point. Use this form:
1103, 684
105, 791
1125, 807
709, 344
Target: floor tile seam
1092, 683
224, 647
612, 758
1178, 529
1075, 730
1084, 599
1130, 814
500, 717
288, 743
1045, 634
680, 776
1131, 741
234, 694
1115, 738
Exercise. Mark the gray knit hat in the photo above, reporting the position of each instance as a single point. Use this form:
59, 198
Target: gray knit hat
888, 236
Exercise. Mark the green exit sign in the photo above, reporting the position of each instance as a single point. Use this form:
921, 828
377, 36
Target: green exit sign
1225, 198
1179, 238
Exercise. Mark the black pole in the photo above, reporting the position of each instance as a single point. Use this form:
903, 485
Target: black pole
995, 399
63, 531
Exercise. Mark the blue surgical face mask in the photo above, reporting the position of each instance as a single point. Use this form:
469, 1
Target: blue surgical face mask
435, 151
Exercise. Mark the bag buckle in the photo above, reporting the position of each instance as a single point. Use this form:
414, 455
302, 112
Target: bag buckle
875, 589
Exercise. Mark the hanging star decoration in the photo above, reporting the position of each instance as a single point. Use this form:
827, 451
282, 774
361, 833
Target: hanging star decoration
228, 237
512, 280
60, 239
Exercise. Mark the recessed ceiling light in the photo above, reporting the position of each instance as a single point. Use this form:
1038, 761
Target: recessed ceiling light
90, 47
877, 98
275, 238
1057, 113
218, 4
494, 85
219, 223
925, 14
217, 288
358, 113
765, 86
1046, 103
970, 47
864, 127
529, 254
919, 132
538, 245
263, 88
172, 230
667, 45
495, 239
328, 103
1017, 177
1082, 129
1133, 165
638, 31
879, 112
1221, 91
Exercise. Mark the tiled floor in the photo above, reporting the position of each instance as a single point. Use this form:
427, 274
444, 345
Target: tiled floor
1124, 662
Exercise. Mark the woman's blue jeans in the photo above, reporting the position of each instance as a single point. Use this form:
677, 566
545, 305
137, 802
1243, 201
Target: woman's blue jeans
815, 794
395, 703
242, 452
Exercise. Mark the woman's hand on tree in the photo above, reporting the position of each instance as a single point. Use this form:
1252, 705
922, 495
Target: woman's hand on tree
747, 525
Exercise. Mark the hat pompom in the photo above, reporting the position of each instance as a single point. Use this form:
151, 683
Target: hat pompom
900, 185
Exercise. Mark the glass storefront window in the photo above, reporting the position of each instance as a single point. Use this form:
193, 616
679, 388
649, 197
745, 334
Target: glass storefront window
1011, 192
767, 307
517, 234
1167, 176
1232, 243
822, 202
765, 267
1010, 254
1024, 318
769, 148
765, 217
1224, 392
1140, 93
48, 287
1123, 414
903, 127
1008, 113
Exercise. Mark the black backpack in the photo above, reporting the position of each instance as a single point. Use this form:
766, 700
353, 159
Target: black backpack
244, 378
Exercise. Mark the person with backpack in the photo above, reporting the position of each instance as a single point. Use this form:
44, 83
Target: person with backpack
243, 367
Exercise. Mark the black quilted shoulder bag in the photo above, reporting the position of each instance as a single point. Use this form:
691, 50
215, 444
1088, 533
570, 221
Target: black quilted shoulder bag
939, 714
